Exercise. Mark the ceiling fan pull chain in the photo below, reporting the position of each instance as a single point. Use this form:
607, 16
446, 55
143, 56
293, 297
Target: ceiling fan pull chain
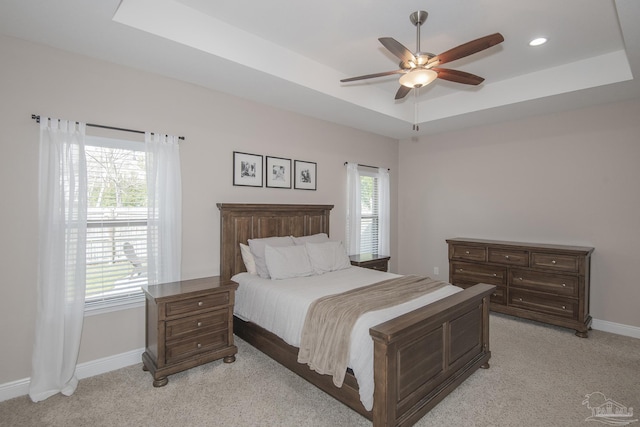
416, 127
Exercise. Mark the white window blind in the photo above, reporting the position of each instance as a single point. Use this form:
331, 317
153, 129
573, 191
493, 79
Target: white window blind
116, 221
369, 213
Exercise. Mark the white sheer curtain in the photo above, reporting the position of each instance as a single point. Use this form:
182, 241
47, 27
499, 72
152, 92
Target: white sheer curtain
62, 198
164, 190
353, 209
384, 207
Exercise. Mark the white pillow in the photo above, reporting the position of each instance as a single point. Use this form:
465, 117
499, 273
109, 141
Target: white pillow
247, 257
288, 261
314, 238
257, 249
327, 256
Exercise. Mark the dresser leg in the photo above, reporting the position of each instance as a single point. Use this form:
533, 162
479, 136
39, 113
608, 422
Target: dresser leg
485, 366
161, 382
582, 334
144, 367
229, 359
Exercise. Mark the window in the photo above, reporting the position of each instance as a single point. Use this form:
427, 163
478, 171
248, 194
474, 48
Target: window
367, 210
369, 213
116, 221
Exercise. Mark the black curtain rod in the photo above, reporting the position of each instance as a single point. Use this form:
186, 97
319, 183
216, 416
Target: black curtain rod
367, 166
37, 119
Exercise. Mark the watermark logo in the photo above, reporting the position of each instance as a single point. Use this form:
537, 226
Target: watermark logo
607, 411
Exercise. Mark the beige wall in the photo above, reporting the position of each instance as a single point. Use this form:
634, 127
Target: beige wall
569, 178
37, 79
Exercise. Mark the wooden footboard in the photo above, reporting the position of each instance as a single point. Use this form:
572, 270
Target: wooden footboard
419, 357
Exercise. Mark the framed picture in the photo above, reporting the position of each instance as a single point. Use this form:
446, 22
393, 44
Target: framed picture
247, 169
305, 175
278, 172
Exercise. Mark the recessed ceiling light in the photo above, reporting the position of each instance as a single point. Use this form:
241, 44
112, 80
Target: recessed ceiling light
538, 41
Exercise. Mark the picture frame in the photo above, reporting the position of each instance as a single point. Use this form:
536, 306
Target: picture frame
247, 169
278, 172
306, 175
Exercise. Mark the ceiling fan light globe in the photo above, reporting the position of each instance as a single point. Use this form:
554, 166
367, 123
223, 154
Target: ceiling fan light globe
418, 78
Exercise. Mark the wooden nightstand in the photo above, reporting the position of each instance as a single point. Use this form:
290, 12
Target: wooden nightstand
372, 261
188, 323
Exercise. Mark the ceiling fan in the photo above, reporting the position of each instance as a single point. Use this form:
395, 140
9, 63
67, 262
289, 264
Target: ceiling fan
421, 68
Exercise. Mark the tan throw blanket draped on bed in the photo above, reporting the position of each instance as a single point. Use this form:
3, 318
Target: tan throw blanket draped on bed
326, 333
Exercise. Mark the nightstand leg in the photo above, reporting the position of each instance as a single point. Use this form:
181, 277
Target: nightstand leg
229, 359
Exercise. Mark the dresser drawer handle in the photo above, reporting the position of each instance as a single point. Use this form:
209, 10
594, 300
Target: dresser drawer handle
506, 256
553, 261
520, 278
466, 252
199, 345
200, 303
564, 307
460, 269
564, 285
495, 275
199, 324
520, 299
495, 294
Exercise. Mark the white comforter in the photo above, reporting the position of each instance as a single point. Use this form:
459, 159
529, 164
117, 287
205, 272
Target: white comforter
280, 306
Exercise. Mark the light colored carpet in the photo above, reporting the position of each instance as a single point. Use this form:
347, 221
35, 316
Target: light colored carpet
539, 376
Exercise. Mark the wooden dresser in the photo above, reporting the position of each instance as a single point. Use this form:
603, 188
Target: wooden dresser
372, 261
546, 283
188, 323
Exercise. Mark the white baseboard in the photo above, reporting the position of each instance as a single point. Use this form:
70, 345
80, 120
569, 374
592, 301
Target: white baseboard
616, 328
84, 370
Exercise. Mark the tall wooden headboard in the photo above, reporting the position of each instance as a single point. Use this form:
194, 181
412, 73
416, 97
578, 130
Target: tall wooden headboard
240, 222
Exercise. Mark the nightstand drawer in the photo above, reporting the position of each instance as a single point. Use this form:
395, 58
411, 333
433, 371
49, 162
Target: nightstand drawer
562, 307
544, 282
556, 262
191, 305
192, 325
377, 265
182, 349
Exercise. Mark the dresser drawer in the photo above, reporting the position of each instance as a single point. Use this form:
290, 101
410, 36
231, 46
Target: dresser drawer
478, 273
183, 349
555, 262
544, 282
197, 325
499, 295
509, 257
191, 305
469, 253
556, 306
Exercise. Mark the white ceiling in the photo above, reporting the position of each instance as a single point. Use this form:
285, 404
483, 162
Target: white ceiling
292, 54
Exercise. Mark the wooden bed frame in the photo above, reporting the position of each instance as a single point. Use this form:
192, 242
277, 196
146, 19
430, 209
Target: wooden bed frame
419, 357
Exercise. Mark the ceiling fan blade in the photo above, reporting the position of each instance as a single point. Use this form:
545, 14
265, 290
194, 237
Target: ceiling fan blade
370, 76
397, 49
467, 49
402, 92
458, 76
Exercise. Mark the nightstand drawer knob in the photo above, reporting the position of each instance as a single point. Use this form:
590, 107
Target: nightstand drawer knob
495, 275
564, 307
199, 324
506, 256
553, 261
199, 345
466, 252
520, 299
564, 284
520, 278
200, 303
